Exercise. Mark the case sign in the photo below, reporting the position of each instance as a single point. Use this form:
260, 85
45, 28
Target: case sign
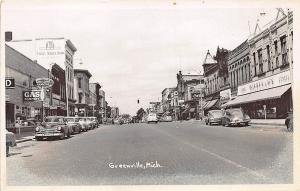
266, 83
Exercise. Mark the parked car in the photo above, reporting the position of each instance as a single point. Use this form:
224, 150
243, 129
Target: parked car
54, 126
85, 126
214, 117
74, 123
90, 123
152, 117
236, 117
94, 121
289, 122
10, 140
166, 118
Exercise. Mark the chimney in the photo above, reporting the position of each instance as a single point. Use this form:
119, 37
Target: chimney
8, 36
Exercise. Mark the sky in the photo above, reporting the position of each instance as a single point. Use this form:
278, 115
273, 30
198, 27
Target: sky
135, 52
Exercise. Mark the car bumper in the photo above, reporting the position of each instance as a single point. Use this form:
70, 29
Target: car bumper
46, 134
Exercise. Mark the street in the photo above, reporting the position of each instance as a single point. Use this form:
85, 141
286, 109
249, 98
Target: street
187, 152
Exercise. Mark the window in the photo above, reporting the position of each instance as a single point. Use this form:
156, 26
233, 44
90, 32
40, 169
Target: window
260, 62
284, 50
254, 59
79, 82
269, 57
276, 47
80, 98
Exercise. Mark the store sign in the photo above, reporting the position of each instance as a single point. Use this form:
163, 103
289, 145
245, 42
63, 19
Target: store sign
50, 50
9, 83
266, 83
225, 95
32, 95
44, 82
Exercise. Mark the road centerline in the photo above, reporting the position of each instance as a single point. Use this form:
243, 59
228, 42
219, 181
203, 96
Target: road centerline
249, 170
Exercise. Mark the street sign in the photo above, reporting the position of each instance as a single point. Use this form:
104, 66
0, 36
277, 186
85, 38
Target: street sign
9, 83
44, 82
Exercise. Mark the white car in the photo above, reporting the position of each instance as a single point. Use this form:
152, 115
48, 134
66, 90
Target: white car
152, 117
10, 141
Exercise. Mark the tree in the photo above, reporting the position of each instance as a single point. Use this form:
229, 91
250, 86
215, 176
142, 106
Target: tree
140, 113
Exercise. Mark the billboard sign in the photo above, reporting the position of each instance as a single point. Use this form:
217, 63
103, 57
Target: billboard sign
50, 50
32, 95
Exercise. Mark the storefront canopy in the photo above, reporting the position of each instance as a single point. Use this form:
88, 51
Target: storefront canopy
210, 104
273, 93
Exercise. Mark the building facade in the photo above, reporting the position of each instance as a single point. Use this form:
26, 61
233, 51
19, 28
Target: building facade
239, 68
24, 71
81, 91
216, 78
58, 92
188, 102
96, 105
269, 93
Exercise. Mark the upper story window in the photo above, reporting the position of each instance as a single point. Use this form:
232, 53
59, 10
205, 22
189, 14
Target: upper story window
276, 47
80, 98
254, 59
260, 61
79, 82
284, 50
269, 57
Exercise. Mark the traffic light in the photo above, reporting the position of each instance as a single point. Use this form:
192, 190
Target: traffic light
138, 101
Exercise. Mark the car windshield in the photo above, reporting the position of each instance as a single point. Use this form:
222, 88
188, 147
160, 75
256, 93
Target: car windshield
152, 115
216, 113
52, 119
71, 119
237, 113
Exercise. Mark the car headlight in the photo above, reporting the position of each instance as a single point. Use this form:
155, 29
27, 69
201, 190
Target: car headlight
37, 128
58, 128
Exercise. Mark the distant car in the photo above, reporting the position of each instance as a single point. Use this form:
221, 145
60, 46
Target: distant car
94, 121
289, 122
90, 123
152, 117
84, 124
74, 123
214, 117
54, 126
236, 117
10, 141
166, 118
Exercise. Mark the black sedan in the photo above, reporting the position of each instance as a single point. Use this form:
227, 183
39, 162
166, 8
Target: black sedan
213, 117
235, 117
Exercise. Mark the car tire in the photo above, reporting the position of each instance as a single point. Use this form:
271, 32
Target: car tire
62, 136
246, 124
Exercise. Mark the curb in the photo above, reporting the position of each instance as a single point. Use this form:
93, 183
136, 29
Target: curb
268, 124
24, 140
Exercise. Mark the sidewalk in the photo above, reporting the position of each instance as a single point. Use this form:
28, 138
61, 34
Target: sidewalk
24, 136
276, 122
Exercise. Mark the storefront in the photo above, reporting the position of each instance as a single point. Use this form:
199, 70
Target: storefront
269, 98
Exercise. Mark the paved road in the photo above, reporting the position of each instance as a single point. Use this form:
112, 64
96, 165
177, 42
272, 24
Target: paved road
165, 153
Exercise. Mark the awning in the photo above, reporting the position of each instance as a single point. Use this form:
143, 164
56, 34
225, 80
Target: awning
273, 93
211, 104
